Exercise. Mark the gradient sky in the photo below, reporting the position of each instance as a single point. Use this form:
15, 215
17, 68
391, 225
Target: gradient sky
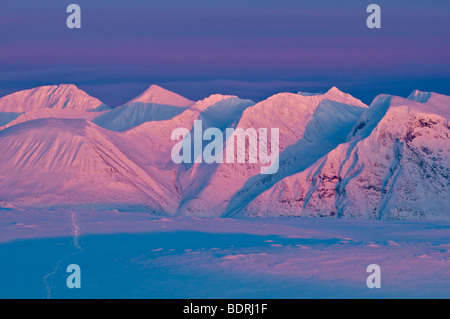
250, 48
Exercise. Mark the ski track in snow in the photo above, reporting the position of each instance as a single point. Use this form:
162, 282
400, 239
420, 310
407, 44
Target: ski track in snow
76, 232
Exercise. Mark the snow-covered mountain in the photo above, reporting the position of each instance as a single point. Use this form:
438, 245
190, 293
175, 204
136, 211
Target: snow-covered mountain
62, 162
395, 165
65, 159
17, 118
154, 104
64, 96
158, 95
150, 144
338, 157
308, 126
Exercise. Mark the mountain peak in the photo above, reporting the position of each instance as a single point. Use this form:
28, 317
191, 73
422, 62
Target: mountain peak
419, 96
335, 90
158, 95
63, 96
202, 105
67, 86
334, 94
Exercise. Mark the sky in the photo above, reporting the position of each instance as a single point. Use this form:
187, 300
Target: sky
249, 48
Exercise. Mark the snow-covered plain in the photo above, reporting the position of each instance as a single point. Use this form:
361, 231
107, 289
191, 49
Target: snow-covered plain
138, 255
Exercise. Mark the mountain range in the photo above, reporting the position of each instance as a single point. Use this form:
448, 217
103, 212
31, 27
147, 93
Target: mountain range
338, 157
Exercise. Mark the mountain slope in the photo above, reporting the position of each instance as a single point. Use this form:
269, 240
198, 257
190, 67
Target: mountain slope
396, 166
297, 117
154, 146
154, 104
59, 162
8, 117
50, 113
158, 95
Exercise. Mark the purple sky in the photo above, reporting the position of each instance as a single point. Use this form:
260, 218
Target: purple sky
249, 48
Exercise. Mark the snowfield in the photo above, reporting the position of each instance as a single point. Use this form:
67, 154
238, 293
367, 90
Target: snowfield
137, 255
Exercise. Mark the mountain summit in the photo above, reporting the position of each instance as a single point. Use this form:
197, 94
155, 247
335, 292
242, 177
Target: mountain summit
154, 104
334, 94
158, 95
63, 96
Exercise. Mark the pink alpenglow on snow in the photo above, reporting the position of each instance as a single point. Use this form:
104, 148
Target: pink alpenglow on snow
158, 95
375, 172
331, 155
212, 152
63, 96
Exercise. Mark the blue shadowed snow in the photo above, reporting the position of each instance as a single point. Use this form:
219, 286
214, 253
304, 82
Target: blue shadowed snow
131, 115
8, 117
117, 266
137, 255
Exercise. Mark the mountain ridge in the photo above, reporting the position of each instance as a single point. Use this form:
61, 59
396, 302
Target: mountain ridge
63, 96
338, 157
